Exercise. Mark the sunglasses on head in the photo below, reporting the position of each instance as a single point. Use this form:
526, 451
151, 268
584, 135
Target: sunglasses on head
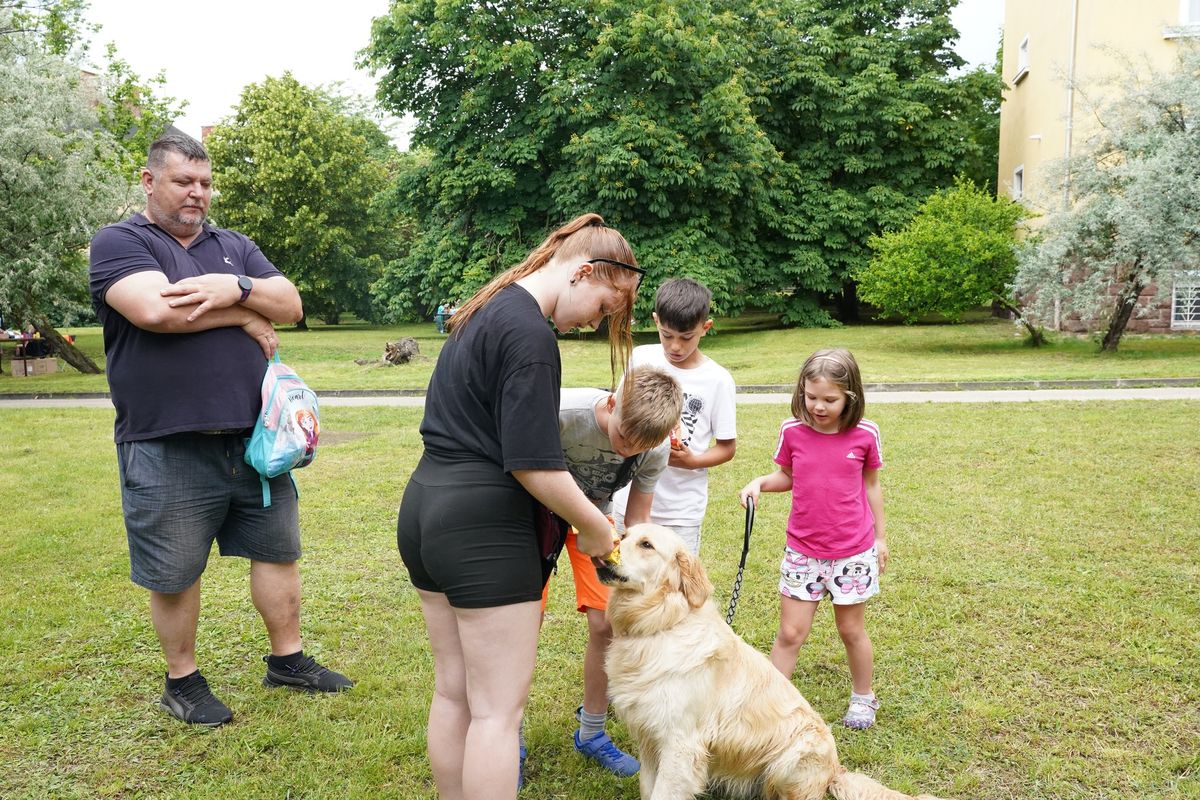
641, 273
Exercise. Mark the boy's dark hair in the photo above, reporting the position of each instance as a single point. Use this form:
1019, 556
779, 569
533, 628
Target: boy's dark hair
179, 143
682, 304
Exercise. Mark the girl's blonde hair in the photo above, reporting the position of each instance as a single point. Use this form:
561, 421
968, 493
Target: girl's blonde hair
584, 237
839, 368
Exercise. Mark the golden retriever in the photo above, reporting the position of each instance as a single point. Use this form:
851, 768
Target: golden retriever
705, 709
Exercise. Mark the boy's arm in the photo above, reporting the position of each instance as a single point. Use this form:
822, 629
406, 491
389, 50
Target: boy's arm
637, 509
719, 453
875, 500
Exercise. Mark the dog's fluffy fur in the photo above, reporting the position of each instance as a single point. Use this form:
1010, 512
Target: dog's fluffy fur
705, 708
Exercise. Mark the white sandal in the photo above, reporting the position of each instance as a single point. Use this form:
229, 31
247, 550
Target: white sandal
861, 713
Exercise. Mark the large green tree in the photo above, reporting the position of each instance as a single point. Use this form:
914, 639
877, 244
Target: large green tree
301, 174
754, 145
1135, 217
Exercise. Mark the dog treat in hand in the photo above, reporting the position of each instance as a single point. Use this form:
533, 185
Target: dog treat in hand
615, 556
676, 443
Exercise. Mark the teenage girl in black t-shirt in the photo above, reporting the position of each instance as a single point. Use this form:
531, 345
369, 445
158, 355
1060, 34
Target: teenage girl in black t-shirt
466, 523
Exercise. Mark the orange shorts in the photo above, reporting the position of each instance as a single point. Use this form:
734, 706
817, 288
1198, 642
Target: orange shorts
589, 591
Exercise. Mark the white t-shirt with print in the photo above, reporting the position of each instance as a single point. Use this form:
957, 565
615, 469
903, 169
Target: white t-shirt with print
709, 412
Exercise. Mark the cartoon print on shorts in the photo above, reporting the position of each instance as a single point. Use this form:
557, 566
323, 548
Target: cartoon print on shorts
855, 577
796, 561
815, 589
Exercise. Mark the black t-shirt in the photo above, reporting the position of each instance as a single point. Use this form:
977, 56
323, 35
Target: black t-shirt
164, 383
494, 392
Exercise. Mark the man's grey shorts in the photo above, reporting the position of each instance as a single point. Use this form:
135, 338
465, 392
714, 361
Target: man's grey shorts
181, 492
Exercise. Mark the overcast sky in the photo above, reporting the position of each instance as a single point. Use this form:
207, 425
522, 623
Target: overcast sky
210, 51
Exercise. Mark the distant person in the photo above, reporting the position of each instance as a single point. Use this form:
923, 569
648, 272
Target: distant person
467, 527
612, 440
439, 318
829, 458
35, 346
187, 311
707, 432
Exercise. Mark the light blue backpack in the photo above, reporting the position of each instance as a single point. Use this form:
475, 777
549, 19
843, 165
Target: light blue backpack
285, 435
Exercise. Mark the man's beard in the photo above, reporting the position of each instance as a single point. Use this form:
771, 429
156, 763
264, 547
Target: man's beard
176, 223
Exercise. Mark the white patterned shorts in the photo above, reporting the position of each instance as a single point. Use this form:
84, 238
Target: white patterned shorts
847, 581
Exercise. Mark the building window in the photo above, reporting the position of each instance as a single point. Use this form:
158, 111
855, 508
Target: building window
1022, 60
1018, 182
1185, 301
1189, 21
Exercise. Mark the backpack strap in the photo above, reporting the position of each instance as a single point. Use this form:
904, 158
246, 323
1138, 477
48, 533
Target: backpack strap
266, 488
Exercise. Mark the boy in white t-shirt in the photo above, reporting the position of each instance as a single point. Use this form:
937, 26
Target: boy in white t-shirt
707, 433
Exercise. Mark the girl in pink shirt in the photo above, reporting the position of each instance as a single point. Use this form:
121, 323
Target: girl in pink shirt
829, 459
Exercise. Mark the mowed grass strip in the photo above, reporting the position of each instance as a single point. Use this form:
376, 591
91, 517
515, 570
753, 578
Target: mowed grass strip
754, 349
1036, 636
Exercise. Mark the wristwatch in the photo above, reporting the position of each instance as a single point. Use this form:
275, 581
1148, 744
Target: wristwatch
245, 284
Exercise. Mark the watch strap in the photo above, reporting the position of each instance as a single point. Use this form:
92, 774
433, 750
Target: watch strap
245, 285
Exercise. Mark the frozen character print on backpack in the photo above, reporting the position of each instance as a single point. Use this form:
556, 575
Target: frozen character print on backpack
311, 429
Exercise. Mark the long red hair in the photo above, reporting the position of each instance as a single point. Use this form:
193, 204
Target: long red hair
585, 237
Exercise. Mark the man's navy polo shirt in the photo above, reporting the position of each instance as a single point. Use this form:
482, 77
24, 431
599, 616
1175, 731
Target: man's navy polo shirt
165, 383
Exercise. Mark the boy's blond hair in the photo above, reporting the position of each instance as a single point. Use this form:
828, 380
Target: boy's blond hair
650, 401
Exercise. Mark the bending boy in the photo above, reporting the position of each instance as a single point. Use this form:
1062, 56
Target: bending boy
611, 441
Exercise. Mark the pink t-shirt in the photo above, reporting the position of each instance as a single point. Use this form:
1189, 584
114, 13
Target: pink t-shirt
830, 515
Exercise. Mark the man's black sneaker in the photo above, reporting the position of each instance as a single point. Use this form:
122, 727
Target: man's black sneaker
306, 675
193, 702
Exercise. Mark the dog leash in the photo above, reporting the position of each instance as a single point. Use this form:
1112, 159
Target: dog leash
737, 584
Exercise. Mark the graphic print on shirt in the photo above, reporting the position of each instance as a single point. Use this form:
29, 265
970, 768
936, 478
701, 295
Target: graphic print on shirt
693, 407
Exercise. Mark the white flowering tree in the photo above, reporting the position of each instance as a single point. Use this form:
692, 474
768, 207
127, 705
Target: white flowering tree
1135, 217
59, 181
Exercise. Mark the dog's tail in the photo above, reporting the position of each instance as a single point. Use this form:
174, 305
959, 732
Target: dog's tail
856, 786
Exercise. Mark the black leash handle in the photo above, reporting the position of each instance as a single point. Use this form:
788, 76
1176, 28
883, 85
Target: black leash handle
737, 584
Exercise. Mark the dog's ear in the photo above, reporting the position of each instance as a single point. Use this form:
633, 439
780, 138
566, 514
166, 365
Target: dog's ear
693, 579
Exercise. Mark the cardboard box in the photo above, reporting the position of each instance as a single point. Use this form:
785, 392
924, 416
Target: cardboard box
27, 367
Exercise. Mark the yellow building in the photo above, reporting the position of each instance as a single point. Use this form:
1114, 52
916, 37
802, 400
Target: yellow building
1059, 58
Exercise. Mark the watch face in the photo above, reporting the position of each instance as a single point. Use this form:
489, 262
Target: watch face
244, 283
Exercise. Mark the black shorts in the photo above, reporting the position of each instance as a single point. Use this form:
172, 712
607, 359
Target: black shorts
465, 529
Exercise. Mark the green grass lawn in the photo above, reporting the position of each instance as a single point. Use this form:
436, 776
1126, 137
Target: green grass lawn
754, 350
1036, 636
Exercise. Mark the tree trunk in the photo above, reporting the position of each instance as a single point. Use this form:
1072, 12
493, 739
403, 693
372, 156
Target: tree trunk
64, 349
848, 308
1037, 336
1126, 301
302, 324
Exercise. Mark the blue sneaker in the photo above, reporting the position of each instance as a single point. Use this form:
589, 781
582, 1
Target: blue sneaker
521, 754
600, 748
